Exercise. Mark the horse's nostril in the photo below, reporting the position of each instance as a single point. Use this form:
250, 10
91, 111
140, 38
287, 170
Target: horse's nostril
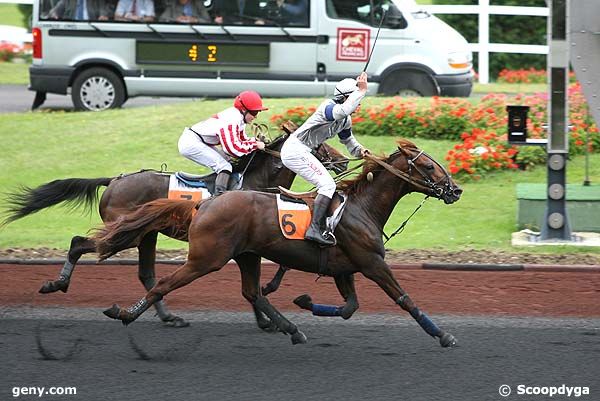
457, 192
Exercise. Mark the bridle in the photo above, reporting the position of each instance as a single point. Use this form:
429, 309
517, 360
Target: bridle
437, 188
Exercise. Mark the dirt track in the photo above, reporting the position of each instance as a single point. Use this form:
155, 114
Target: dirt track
520, 293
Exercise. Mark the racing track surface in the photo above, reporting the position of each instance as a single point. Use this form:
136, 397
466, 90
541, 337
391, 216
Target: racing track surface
379, 355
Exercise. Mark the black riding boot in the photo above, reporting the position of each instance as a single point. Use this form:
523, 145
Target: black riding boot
221, 182
317, 224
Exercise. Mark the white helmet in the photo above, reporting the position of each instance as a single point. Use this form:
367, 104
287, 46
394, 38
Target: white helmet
344, 88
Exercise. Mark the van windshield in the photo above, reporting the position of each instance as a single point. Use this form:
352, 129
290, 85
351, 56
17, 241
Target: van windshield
367, 11
221, 12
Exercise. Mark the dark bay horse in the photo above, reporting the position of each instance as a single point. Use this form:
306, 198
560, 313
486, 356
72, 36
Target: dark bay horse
215, 237
263, 171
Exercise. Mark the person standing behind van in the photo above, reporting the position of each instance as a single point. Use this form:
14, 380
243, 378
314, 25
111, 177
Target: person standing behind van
237, 12
293, 12
213, 142
135, 10
332, 117
186, 12
82, 10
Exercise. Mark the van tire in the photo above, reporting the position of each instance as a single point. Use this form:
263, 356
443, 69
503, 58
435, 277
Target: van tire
408, 84
97, 89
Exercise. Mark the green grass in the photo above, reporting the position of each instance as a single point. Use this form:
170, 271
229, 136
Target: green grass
14, 73
41, 147
497, 87
10, 15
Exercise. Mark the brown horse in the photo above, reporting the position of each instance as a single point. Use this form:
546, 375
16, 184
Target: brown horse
263, 171
215, 237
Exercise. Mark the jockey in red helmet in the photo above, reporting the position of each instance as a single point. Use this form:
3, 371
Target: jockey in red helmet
213, 142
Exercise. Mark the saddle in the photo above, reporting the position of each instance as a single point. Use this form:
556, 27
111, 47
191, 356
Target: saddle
309, 199
208, 180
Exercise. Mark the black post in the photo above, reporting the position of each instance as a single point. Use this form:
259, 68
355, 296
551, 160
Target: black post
556, 222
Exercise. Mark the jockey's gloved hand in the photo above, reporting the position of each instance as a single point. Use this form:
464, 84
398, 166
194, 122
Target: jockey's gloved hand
364, 152
260, 145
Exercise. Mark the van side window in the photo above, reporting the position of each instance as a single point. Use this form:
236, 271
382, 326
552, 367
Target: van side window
185, 12
368, 13
78, 10
255, 12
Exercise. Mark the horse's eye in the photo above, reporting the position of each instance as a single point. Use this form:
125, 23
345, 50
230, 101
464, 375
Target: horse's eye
430, 166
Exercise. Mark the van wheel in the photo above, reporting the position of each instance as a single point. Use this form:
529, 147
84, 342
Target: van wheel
408, 84
97, 89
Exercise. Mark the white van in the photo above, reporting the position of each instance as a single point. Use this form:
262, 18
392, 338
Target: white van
224, 50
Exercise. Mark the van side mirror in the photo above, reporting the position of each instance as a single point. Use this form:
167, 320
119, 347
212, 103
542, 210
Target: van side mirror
395, 21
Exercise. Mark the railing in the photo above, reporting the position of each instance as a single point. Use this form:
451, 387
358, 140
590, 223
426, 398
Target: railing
484, 47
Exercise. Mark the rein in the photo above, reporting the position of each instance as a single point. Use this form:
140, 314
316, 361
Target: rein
404, 223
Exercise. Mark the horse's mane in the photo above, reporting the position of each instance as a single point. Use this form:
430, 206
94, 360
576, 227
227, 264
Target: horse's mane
357, 184
241, 163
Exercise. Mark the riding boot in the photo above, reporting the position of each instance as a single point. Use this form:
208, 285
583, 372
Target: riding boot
317, 224
221, 182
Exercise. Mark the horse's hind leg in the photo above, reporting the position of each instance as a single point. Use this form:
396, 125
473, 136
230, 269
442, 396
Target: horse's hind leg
275, 282
380, 273
79, 247
345, 285
146, 274
190, 271
250, 270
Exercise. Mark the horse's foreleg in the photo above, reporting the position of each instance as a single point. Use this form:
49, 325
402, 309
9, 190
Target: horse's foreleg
146, 274
79, 246
263, 305
345, 284
274, 284
249, 265
380, 273
187, 273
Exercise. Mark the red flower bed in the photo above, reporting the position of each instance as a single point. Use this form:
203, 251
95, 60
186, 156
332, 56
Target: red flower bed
479, 129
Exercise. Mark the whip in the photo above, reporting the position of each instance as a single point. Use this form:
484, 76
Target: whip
375, 41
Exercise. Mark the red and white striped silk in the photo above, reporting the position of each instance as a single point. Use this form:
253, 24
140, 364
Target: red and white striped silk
234, 141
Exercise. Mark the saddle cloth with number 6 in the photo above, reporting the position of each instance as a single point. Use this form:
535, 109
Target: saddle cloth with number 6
294, 217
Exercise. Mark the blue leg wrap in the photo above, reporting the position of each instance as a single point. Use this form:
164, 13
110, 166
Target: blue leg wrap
425, 322
326, 310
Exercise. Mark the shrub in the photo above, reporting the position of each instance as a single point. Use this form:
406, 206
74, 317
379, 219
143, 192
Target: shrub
479, 128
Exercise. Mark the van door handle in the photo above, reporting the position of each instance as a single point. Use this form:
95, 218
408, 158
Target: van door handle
322, 39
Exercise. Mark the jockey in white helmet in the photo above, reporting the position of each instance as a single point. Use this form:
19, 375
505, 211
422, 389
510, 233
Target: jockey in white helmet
332, 117
213, 142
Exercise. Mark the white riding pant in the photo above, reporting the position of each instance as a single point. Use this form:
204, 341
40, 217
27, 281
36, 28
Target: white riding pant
297, 157
191, 147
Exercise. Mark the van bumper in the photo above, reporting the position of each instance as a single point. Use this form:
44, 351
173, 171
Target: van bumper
459, 85
51, 80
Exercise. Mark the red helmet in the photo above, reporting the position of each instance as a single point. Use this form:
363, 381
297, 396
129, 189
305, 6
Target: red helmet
249, 101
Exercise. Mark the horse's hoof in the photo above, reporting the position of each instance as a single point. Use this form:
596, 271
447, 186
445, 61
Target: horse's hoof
176, 322
448, 340
113, 312
53, 286
347, 312
304, 302
299, 338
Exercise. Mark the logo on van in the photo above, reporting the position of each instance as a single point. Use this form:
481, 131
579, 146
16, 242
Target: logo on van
353, 44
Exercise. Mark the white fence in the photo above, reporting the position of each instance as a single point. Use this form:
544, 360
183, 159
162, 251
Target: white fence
484, 47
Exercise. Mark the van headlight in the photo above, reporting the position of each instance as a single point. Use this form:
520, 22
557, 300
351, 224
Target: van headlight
459, 60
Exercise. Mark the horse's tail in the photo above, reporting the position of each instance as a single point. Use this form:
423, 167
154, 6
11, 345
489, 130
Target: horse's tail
128, 230
75, 191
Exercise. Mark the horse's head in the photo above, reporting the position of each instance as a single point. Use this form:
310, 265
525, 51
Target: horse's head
331, 158
424, 173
